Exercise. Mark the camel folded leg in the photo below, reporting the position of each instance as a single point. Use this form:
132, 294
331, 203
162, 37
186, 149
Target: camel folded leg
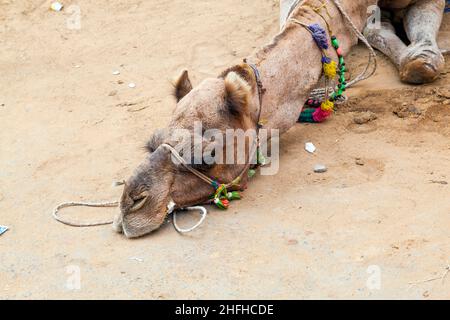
385, 40
422, 61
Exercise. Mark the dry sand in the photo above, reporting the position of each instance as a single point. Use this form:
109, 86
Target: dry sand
69, 129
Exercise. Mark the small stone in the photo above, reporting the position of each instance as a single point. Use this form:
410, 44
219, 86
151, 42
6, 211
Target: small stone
359, 161
292, 242
132, 85
137, 259
116, 72
320, 168
119, 81
364, 117
56, 6
310, 147
112, 93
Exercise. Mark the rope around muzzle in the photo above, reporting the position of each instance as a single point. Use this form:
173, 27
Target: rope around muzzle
113, 204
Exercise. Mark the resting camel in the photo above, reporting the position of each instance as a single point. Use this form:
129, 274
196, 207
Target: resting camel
288, 68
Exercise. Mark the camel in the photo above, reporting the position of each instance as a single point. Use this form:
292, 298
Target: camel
289, 68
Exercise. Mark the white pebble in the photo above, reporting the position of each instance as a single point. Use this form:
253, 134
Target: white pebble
320, 168
310, 147
116, 72
56, 6
132, 85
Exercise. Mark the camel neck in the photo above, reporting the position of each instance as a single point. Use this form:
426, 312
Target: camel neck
290, 65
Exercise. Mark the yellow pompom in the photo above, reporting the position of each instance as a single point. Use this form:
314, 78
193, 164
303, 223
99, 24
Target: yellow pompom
330, 69
327, 105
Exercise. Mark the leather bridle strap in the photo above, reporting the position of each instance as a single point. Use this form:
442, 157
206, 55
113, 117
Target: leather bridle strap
261, 91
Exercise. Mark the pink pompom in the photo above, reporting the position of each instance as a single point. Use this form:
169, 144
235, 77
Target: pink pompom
339, 51
320, 115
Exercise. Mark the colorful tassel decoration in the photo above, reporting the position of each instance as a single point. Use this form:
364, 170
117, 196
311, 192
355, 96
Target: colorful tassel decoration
330, 69
319, 35
320, 115
327, 106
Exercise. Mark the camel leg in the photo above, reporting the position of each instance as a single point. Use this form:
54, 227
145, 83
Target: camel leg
385, 40
422, 61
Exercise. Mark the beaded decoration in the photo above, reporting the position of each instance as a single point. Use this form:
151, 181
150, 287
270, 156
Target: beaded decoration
222, 197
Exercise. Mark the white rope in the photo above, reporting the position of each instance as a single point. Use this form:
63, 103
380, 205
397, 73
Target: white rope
113, 204
202, 219
372, 55
110, 204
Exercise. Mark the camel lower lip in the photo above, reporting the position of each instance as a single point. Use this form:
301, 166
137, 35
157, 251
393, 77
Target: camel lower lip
138, 205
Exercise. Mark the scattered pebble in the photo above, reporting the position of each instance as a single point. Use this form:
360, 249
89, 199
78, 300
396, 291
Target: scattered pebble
320, 168
120, 81
364, 117
132, 85
310, 147
292, 242
112, 93
3, 229
359, 161
56, 6
116, 72
77, 66
137, 259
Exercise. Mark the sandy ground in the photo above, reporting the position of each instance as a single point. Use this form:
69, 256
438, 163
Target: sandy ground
69, 129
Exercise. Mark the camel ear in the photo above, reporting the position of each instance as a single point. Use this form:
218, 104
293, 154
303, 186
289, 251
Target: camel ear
238, 93
182, 85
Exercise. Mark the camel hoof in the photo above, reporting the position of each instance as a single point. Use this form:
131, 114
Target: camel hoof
422, 66
418, 72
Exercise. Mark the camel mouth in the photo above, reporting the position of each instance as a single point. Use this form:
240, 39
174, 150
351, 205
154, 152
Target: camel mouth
135, 223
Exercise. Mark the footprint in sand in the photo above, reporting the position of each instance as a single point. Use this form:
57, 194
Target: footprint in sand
360, 171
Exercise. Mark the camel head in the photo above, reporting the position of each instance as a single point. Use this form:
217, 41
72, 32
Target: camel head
217, 104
